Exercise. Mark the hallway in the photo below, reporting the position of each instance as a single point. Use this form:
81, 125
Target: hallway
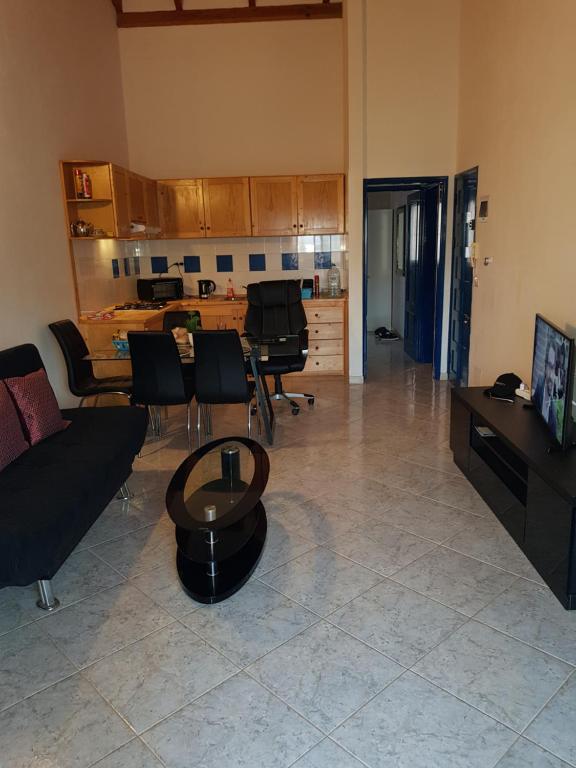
391, 622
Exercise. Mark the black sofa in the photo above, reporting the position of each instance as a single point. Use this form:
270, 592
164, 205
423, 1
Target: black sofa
53, 493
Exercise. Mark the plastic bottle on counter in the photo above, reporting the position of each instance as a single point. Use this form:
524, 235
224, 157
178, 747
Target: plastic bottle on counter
230, 289
334, 282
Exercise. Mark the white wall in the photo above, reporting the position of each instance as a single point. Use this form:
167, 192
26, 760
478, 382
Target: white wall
235, 99
402, 96
379, 257
61, 97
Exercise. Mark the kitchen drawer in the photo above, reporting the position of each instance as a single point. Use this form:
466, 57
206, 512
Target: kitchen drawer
324, 315
324, 364
326, 346
325, 331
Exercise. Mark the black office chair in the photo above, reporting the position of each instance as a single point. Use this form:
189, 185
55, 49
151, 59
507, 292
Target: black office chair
275, 311
220, 375
157, 376
81, 379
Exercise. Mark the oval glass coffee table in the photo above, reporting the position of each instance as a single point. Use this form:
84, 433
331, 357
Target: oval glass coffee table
214, 500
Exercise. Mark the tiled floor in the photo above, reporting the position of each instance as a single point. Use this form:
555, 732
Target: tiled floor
391, 622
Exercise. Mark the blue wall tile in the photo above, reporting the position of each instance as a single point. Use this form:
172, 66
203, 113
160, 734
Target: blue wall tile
192, 264
115, 268
225, 263
158, 264
127, 266
322, 260
136, 262
257, 262
289, 261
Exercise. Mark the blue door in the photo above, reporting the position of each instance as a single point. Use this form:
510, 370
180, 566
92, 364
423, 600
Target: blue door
421, 246
465, 188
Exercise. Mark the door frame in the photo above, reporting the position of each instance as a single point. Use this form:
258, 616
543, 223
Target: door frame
468, 174
409, 184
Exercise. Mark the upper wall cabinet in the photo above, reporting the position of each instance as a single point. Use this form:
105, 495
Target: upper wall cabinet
151, 203
321, 204
227, 207
109, 198
136, 194
205, 207
181, 204
274, 202
303, 205
121, 196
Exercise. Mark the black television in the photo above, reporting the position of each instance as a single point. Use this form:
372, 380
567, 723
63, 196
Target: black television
553, 380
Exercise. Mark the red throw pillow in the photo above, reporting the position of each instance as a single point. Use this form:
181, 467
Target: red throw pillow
39, 411
12, 441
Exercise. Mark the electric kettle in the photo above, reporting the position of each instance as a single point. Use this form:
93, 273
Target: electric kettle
205, 288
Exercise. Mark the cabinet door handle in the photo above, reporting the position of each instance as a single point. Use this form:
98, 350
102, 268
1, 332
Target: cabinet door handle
301, 226
317, 363
207, 227
315, 331
294, 225
201, 226
316, 315
316, 348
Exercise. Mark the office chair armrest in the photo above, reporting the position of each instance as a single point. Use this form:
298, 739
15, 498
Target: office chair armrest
304, 341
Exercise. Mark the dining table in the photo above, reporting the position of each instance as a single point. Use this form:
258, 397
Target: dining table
254, 352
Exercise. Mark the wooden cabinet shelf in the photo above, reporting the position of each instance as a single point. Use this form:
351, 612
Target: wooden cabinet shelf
119, 198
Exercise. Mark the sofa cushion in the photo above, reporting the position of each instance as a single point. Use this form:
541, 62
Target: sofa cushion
12, 440
37, 405
54, 492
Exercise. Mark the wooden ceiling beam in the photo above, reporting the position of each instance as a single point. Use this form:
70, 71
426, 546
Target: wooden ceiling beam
300, 11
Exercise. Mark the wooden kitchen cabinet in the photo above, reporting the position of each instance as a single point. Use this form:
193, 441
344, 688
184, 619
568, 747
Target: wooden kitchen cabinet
181, 208
151, 203
121, 198
274, 202
227, 207
136, 196
321, 204
219, 315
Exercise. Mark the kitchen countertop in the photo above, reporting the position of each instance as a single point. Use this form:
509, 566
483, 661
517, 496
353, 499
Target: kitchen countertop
130, 316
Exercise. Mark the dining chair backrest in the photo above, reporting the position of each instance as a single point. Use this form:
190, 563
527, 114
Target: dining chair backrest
220, 369
73, 346
174, 320
156, 369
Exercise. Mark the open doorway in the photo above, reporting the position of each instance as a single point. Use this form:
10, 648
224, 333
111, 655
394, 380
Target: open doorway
404, 255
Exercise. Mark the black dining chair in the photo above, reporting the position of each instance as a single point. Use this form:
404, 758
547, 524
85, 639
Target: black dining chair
81, 379
174, 319
276, 315
221, 377
157, 376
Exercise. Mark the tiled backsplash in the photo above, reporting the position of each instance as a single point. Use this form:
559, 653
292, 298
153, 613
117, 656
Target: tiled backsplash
107, 270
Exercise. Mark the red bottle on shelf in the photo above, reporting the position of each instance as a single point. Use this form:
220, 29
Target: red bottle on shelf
316, 286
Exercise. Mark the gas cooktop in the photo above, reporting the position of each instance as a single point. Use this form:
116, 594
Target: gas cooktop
146, 305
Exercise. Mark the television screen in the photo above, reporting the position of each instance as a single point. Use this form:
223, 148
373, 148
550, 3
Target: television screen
552, 379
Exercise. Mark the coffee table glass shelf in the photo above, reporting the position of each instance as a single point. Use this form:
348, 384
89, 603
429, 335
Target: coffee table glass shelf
214, 501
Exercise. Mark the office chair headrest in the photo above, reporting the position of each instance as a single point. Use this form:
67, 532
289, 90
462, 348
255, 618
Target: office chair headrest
274, 293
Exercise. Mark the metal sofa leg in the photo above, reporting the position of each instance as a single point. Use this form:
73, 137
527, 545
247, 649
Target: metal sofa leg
46, 601
124, 494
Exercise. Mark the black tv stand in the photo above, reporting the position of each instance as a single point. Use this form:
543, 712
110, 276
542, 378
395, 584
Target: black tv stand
531, 490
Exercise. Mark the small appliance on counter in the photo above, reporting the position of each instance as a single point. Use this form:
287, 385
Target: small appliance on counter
205, 288
160, 288
307, 288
